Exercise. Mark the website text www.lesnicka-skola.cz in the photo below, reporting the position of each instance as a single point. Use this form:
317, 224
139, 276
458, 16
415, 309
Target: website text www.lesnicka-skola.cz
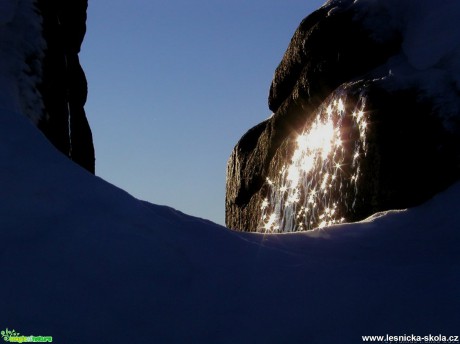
411, 338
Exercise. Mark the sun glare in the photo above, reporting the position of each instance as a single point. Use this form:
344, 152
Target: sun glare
304, 194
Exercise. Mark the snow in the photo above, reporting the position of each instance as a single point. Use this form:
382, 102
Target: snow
7, 11
20, 39
84, 262
430, 56
430, 53
431, 32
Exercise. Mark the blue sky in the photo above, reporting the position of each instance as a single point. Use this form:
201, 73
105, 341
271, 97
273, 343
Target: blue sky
173, 85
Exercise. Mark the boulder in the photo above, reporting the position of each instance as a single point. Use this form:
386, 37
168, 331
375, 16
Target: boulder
356, 128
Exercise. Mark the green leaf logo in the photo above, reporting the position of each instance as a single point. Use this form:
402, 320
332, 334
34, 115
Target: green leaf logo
7, 334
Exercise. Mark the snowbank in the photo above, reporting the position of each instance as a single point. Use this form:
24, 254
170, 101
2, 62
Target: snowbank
83, 261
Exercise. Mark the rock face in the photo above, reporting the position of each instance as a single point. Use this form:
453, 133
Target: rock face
64, 87
356, 128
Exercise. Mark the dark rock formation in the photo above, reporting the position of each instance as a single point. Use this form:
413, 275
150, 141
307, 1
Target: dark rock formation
394, 151
64, 87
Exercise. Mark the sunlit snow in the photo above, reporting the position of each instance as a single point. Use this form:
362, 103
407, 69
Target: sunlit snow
304, 194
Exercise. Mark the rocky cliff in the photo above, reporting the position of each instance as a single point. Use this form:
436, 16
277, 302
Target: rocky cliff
366, 118
63, 87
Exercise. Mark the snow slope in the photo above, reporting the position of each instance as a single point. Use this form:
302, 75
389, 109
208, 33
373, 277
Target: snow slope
84, 262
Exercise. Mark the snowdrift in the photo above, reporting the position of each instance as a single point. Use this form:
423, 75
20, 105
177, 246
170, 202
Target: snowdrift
84, 262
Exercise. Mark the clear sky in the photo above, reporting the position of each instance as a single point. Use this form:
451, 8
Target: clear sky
173, 85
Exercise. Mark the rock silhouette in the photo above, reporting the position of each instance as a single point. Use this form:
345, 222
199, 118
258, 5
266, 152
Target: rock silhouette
395, 145
64, 86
